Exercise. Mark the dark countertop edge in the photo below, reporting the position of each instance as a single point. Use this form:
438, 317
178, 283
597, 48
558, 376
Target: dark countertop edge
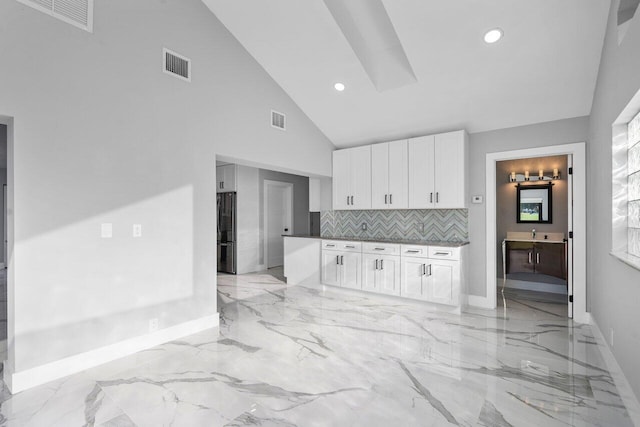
397, 242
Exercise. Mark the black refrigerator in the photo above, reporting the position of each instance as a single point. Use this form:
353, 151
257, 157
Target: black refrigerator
226, 232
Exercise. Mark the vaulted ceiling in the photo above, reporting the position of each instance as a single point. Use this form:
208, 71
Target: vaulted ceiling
413, 67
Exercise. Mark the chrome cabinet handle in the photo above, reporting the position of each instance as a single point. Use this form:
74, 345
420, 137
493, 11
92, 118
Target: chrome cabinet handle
349, 247
529, 257
437, 197
385, 199
429, 270
537, 257
337, 259
376, 264
423, 269
341, 260
347, 200
379, 249
329, 246
351, 200
390, 199
430, 197
381, 264
442, 253
411, 251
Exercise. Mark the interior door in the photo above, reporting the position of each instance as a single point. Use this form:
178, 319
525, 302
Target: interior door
279, 212
569, 246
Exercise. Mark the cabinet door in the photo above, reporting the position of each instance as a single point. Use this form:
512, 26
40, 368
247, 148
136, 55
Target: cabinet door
443, 281
380, 176
360, 168
520, 257
341, 179
450, 170
219, 179
411, 285
421, 165
369, 272
550, 259
351, 270
225, 178
330, 268
388, 278
398, 175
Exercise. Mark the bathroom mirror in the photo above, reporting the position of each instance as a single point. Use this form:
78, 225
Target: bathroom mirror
534, 204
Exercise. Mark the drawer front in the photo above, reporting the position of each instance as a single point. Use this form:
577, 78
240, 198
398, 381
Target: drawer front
342, 246
380, 248
414, 251
439, 252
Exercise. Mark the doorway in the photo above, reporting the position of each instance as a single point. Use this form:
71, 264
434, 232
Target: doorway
278, 220
577, 213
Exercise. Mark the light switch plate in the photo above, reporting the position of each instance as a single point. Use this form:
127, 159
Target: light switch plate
137, 230
476, 199
106, 230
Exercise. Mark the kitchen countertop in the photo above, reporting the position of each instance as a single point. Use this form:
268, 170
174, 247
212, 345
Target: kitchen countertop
535, 240
400, 242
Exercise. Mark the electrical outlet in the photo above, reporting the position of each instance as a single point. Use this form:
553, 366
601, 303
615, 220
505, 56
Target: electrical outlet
137, 230
421, 227
153, 324
364, 226
611, 337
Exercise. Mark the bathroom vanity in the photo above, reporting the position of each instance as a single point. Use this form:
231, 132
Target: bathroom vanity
542, 253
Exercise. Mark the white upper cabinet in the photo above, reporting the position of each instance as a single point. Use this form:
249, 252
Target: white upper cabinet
389, 176
437, 171
226, 178
352, 178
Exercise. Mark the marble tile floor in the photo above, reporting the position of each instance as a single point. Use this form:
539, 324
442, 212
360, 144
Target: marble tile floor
314, 356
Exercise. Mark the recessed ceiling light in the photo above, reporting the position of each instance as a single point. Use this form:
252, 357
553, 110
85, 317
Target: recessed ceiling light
493, 36
339, 87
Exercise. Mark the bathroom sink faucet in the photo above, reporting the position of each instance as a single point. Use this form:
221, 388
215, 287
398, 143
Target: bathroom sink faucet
533, 233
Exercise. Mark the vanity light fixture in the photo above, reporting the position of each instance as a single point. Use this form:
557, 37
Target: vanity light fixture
493, 35
524, 177
339, 86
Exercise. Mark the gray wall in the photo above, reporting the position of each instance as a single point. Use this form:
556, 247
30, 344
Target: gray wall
102, 135
506, 198
613, 287
3, 181
538, 135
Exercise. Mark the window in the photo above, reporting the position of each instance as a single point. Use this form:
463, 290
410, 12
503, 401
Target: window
626, 184
633, 186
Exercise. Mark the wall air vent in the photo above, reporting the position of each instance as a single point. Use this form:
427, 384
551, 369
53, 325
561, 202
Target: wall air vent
75, 12
176, 65
278, 120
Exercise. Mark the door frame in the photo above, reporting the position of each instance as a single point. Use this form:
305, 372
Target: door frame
578, 245
289, 188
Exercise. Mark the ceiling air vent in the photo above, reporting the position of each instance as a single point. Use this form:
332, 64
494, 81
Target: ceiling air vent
176, 65
75, 12
278, 120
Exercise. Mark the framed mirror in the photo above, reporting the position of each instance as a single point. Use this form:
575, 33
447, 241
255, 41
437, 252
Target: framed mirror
534, 204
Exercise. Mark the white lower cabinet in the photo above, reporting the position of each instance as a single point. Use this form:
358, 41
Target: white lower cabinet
381, 273
342, 264
427, 273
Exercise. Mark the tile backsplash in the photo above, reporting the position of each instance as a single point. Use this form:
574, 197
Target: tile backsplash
421, 225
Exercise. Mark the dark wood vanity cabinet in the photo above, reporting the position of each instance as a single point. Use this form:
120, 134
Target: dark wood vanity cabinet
537, 257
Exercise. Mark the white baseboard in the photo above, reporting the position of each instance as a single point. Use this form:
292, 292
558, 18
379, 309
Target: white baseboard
480, 302
23, 380
627, 395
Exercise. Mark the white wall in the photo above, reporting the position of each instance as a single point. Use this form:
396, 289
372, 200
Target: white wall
248, 220
103, 136
613, 287
320, 194
538, 135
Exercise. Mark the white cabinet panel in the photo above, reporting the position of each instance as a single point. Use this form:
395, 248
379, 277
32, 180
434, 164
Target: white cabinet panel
369, 271
388, 278
421, 172
449, 170
351, 270
398, 175
341, 177
330, 268
443, 281
352, 178
380, 176
411, 283
437, 171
